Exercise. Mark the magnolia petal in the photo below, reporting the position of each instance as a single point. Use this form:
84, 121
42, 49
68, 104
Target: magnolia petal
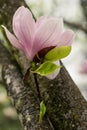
48, 33
41, 20
28, 30
28, 26
24, 25
16, 23
28, 56
13, 39
84, 67
66, 38
52, 76
24, 29
18, 12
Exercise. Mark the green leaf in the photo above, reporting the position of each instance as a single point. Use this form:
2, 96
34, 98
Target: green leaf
42, 111
58, 53
46, 68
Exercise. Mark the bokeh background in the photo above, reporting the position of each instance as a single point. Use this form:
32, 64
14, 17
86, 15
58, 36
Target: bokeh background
74, 13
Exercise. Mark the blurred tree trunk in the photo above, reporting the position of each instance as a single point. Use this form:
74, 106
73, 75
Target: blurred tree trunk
66, 108
84, 8
80, 25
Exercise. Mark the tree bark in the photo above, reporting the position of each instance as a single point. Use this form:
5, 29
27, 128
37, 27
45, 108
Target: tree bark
22, 96
66, 108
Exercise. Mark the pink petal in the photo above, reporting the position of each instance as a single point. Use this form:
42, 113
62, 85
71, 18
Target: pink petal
52, 76
13, 39
66, 38
17, 44
28, 28
24, 29
48, 33
41, 20
84, 67
24, 25
16, 23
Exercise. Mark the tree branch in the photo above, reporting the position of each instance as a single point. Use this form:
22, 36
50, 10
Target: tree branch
84, 8
76, 26
23, 97
66, 108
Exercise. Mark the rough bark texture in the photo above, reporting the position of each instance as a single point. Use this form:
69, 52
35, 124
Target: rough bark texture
23, 97
64, 102
66, 108
7, 8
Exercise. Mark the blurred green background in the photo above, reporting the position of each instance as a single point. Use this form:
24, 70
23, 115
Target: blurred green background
8, 115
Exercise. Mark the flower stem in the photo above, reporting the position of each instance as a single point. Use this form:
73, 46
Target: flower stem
26, 76
37, 87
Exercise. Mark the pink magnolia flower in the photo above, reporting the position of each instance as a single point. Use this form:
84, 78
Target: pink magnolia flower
84, 67
31, 37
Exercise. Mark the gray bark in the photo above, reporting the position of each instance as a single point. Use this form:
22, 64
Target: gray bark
65, 105
23, 97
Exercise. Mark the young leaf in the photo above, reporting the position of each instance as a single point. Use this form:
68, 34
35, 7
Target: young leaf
58, 53
46, 68
42, 111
